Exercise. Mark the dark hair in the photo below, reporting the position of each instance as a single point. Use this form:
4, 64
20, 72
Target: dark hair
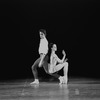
51, 45
49, 51
43, 31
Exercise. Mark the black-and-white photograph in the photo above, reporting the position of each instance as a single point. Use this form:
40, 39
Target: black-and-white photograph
49, 50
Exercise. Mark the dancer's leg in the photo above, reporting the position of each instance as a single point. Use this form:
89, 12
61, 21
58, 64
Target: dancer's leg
65, 68
34, 71
46, 67
58, 67
65, 72
42, 56
45, 63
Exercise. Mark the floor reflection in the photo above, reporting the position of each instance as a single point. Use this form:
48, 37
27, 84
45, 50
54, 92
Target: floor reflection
50, 91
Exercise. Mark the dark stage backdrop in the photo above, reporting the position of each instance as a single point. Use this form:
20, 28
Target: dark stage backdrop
72, 24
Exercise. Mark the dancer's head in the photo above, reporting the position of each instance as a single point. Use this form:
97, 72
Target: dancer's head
42, 33
54, 47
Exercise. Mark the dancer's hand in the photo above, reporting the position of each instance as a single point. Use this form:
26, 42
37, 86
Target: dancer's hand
63, 52
65, 59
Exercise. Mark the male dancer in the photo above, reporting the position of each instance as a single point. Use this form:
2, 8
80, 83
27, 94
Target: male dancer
43, 50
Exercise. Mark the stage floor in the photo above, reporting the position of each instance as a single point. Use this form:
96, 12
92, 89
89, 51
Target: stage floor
77, 89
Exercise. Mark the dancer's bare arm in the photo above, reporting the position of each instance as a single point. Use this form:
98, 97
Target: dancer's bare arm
61, 60
64, 55
65, 59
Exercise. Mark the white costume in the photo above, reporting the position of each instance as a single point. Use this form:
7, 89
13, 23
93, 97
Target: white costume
43, 47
